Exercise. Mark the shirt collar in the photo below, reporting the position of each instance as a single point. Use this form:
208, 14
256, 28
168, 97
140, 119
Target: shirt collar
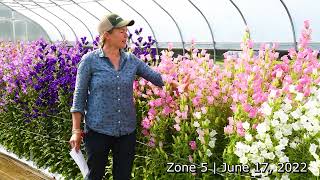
101, 53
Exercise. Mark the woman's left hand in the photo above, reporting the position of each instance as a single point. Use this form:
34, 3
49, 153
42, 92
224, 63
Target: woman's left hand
175, 85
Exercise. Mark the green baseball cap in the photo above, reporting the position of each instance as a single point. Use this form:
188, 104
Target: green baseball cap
111, 21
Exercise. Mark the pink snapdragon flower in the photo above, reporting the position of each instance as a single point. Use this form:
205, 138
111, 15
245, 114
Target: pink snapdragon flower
193, 145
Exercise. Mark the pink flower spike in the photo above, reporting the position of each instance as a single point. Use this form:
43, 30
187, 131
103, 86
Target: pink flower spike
231, 121
166, 111
253, 112
152, 112
184, 115
193, 145
177, 127
210, 99
146, 123
241, 132
228, 129
239, 125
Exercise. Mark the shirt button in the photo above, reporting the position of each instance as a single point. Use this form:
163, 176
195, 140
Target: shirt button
119, 122
118, 99
118, 87
118, 110
118, 76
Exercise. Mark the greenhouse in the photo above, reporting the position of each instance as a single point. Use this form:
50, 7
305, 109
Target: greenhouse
185, 89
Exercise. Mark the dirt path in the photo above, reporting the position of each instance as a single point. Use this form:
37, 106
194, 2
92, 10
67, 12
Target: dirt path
11, 169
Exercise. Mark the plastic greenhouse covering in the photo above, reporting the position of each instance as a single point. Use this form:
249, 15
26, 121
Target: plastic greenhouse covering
211, 24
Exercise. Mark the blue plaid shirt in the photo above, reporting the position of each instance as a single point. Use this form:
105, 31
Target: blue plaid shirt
105, 96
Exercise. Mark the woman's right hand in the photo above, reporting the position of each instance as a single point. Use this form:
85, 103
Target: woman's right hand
75, 141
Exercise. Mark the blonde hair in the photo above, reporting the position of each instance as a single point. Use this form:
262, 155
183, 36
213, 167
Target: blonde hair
102, 40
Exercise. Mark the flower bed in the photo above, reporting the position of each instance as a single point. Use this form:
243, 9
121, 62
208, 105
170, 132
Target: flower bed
260, 111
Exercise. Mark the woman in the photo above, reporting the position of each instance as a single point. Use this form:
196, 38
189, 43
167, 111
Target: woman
104, 97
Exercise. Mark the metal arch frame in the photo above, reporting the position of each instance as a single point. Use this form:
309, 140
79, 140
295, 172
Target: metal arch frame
154, 35
211, 32
242, 16
107, 10
74, 17
85, 10
35, 21
54, 15
102, 5
183, 43
292, 25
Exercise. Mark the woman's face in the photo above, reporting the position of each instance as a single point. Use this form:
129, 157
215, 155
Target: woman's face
118, 37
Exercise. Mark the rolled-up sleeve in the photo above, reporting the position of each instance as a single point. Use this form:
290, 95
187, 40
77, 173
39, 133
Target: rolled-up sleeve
149, 74
82, 85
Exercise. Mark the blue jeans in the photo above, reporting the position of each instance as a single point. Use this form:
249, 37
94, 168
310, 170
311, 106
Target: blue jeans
98, 147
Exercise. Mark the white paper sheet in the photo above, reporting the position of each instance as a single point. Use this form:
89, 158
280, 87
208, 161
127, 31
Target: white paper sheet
80, 161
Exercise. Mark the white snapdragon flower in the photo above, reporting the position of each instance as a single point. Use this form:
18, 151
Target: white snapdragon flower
296, 126
313, 111
293, 145
248, 137
209, 153
197, 115
279, 149
262, 128
283, 116
310, 104
286, 107
276, 114
196, 124
204, 110
254, 148
296, 113
308, 125
266, 109
299, 96
304, 119
287, 129
264, 154
213, 133
279, 153
270, 156
268, 142
275, 123
284, 159
314, 167
292, 88
246, 125
241, 149
284, 141
312, 150
278, 134
212, 143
